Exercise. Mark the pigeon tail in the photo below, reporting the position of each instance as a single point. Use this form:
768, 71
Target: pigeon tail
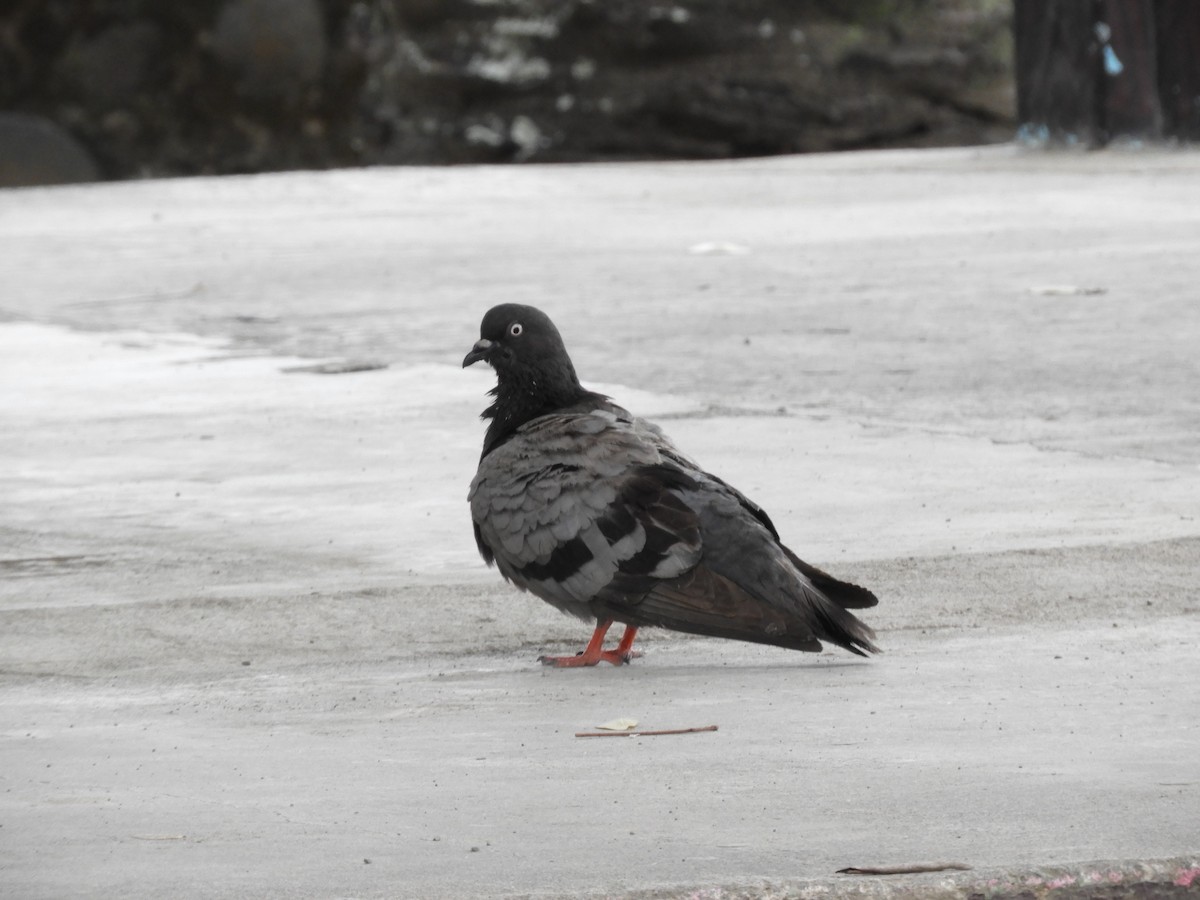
843, 593
842, 628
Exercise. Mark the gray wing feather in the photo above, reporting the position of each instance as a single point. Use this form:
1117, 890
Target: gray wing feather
544, 501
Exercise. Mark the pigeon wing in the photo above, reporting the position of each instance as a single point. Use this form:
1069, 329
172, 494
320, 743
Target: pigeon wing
748, 585
843, 593
582, 505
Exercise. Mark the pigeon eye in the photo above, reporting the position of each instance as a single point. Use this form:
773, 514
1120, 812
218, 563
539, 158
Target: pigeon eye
516, 329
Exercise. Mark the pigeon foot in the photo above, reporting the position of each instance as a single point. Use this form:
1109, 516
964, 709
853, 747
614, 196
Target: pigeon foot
595, 653
580, 659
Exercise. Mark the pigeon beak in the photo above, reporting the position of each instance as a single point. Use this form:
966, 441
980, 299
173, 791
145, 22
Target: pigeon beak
481, 350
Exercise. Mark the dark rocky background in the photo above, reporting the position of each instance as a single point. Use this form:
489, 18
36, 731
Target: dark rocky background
132, 88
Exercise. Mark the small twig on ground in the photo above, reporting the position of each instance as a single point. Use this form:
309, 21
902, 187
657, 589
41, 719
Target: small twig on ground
905, 870
644, 733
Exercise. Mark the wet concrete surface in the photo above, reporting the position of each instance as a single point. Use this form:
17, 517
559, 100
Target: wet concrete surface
247, 649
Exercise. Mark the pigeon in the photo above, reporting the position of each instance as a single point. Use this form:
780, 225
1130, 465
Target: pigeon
596, 512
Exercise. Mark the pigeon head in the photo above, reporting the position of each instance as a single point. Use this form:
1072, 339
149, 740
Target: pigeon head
514, 339
534, 374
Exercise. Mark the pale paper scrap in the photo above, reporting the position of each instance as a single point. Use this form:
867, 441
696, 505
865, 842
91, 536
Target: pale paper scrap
619, 725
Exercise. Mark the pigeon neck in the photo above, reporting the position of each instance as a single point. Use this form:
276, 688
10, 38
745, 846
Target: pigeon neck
522, 399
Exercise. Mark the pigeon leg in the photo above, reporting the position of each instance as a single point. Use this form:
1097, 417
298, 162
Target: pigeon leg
591, 654
595, 652
625, 649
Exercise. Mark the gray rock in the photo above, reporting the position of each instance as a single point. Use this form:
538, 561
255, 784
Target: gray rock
35, 151
274, 49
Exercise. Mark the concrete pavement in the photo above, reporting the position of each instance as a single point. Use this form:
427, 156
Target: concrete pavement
247, 649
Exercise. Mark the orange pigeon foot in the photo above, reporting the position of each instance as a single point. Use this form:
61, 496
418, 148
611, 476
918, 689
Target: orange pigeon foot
595, 653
